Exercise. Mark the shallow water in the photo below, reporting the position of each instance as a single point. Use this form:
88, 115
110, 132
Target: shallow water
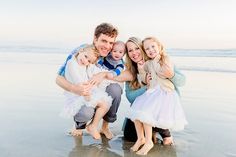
31, 101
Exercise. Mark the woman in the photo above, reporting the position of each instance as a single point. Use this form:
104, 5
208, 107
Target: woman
135, 57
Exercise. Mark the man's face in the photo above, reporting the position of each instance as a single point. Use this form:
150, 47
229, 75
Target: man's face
104, 44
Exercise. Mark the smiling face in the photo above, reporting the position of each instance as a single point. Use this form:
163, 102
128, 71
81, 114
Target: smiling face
151, 48
134, 52
118, 51
104, 44
86, 57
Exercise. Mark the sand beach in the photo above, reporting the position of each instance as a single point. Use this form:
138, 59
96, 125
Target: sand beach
30, 103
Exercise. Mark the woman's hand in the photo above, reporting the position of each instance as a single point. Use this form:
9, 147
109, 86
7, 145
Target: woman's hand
97, 79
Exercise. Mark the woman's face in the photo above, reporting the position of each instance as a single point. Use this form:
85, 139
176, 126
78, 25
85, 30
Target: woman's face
134, 52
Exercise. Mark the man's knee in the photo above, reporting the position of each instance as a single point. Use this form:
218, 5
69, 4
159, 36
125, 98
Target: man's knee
85, 114
114, 90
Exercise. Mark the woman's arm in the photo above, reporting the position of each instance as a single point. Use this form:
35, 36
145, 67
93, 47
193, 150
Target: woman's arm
179, 78
124, 76
132, 94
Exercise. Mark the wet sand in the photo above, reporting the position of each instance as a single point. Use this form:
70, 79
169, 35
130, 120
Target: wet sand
31, 101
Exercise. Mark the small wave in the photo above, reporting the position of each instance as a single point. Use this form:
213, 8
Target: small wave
207, 69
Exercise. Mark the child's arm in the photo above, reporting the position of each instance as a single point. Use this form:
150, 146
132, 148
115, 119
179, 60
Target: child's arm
166, 69
80, 89
117, 71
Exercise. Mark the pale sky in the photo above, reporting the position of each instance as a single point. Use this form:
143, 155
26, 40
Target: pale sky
195, 24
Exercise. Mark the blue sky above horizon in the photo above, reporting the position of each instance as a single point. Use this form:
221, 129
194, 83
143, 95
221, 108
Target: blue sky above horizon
191, 24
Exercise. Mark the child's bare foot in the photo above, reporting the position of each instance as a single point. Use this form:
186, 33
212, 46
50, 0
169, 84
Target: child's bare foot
107, 132
76, 132
145, 149
137, 144
167, 141
93, 131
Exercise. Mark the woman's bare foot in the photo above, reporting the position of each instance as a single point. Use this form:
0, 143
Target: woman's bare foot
145, 149
93, 131
107, 132
137, 144
167, 141
76, 132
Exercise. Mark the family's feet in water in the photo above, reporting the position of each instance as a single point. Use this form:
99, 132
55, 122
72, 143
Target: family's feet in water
107, 132
168, 141
146, 148
76, 132
137, 145
93, 132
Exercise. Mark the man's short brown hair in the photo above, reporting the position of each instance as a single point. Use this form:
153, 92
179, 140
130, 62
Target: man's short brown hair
107, 29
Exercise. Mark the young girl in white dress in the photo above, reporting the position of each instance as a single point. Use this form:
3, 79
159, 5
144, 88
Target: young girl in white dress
80, 69
160, 105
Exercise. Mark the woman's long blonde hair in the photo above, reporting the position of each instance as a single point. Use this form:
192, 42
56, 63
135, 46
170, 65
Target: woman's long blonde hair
163, 54
132, 66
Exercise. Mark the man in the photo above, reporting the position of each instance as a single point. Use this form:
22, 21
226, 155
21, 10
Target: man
104, 37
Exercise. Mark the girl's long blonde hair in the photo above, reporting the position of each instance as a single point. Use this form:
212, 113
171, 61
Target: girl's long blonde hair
132, 66
164, 57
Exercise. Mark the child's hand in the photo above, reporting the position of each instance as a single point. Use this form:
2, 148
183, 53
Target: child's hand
87, 97
148, 78
141, 64
81, 88
167, 71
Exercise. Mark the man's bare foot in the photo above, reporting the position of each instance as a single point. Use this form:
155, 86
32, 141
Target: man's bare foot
137, 144
167, 141
154, 137
107, 133
76, 132
93, 131
145, 149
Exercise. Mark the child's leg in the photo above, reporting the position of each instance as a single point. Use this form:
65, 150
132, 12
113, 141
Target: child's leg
140, 134
102, 109
148, 140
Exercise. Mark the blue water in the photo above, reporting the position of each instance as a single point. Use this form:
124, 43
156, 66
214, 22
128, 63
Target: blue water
216, 60
172, 52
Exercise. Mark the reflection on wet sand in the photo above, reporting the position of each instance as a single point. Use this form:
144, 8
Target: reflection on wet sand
116, 147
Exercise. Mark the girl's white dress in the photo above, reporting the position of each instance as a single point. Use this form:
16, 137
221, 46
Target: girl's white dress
75, 74
160, 105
